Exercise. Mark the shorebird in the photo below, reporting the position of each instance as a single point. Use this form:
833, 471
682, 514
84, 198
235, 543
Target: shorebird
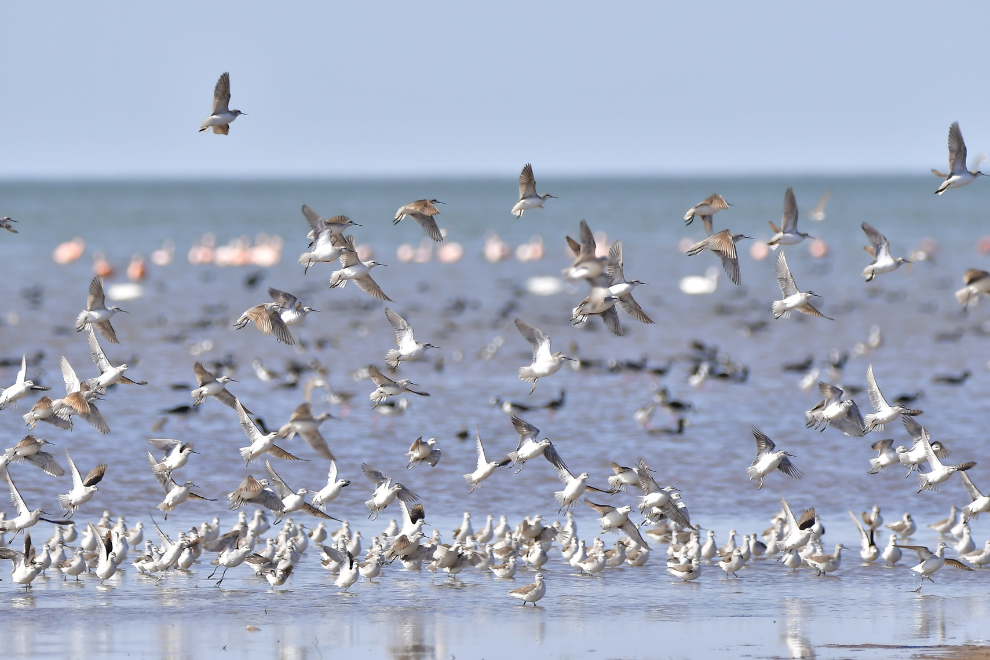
931, 562
977, 282
387, 387
408, 348
423, 451
891, 554
292, 312
937, 472
531, 592
385, 491
209, 385
109, 374
333, 488
79, 400
306, 425
293, 500
352, 268
29, 449
277, 576
980, 502
906, 526
485, 467
574, 487
233, 550
587, 264
872, 519
879, 249
885, 455
885, 413
600, 302
267, 318
958, 175
705, 210
413, 519
326, 238
336, 225
544, 362
220, 117
255, 491
176, 453
175, 494
722, 244
731, 562
794, 299
615, 519
979, 558
422, 211
798, 530
769, 458
788, 234
82, 489
20, 388
818, 213
25, 567
529, 446
621, 288
97, 313
5, 224
686, 572
528, 199
25, 517
824, 563
505, 571
868, 547
658, 503
833, 411
260, 443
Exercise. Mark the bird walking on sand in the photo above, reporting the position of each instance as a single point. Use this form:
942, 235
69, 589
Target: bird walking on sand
97, 313
959, 175
722, 244
528, 198
705, 210
794, 298
221, 116
422, 211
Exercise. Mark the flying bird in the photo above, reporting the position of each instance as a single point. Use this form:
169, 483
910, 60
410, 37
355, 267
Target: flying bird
705, 210
722, 244
788, 234
769, 458
958, 175
544, 363
794, 299
528, 199
220, 117
422, 211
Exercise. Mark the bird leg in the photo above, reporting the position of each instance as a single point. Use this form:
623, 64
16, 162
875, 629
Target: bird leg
222, 575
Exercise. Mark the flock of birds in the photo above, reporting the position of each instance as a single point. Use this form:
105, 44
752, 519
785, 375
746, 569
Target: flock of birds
497, 547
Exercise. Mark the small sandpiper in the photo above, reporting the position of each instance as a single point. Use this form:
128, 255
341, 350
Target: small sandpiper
794, 298
705, 210
422, 211
5, 224
292, 311
544, 363
97, 313
788, 234
326, 240
82, 489
209, 385
959, 175
485, 467
885, 413
408, 348
221, 116
267, 318
722, 244
879, 249
352, 268
531, 593
621, 288
387, 387
769, 458
528, 199
109, 374
11, 395
303, 422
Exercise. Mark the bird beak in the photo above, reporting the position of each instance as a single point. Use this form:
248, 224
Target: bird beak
552, 196
193, 451
749, 237
439, 202
233, 380
314, 310
124, 311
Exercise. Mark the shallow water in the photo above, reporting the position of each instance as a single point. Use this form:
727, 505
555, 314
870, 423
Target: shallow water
461, 307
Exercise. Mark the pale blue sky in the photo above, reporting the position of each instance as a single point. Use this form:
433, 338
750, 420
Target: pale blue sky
461, 88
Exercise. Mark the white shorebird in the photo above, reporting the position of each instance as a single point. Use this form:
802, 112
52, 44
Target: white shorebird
5, 224
531, 593
937, 471
788, 234
872, 518
352, 268
904, 527
892, 553
326, 238
977, 283
544, 363
769, 458
879, 249
931, 562
303, 422
277, 576
980, 502
529, 446
423, 451
176, 453
387, 387
175, 493
82, 489
255, 491
705, 210
221, 116
794, 298
885, 413
267, 318
824, 563
25, 517
29, 449
722, 244
574, 487
109, 374
292, 311
25, 568
293, 500
621, 288
233, 551
885, 455
868, 549
818, 213
616, 519
20, 388
798, 530
686, 572
958, 175
946, 524
422, 211
485, 467
528, 198
79, 400
731, 562
260, 443
209, 385
385, 491
408, 348
97, 313
833, 411
658, 503
587, 264
600, 302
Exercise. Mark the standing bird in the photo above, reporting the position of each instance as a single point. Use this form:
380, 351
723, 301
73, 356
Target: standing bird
958, 175
97, 313
212, 386
769, 458
352, 268
705, 210
868, 547
25, 567
305, 424
788, 234
408, 348
622, 289
387, 387
422, 211
5, 224
485, 467
879, 249
267, 317
528, 199
535, 591
724, 245
220, 117
82, 489
109, 374
544, 362
885, 413
20, 388
574, 487
932, 561
794, 299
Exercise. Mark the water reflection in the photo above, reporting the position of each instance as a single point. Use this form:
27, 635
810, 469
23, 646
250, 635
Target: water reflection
929, 617
797, 611
409, 638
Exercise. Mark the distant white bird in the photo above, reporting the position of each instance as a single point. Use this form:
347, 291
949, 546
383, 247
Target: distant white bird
528, 198
977, 283
422, 211
906, 526
931, 562
485, 467
824, 563
769, 458
958, 175
20, 388
408, 348
794, 298
82, 489
885, 413
868, 547
695, 285
221, 116
891, 554
980, 502
818, 213
879, 249
705, 210
544, 363
788, 234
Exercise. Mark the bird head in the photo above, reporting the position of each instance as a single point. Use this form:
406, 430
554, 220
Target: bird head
238, 113
117, 309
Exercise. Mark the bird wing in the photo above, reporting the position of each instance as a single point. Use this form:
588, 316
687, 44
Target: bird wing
716, 201
278, 452
957, 564
371, 287
537, 338
763, 444
610, 317
162, 476
809, 309
270, 500
864, 538
557, 462
315, 440
971, 489
789, 468
163, 444
403, 331
69, 376
632, 532
615, 266
314, 220
374, 476
933, 461
202, 375
332, 473
221, 94
784, 277
822, 201
914, 429
525, 430
405, 494
923, 552
46, 463
722, 245
247, 424
830, 393
95, 297
791, 521
15, 497
99, 357
789, 222
277, 481
347, 259
632, 308
588, 245
22, 373
482, 461
851, 423
877, 240
574, 246
876, 398
602, 509
76, 479
428, 224
807, 519
527, 183
379, 379
957, 150
316, 513
286, 300
282, 332
880, 445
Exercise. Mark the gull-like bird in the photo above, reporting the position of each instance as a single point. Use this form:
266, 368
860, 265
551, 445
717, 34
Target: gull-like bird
868, 547
387, 387
788, 234
78, 400
574, 487
209, 385
255, 491
818, 213
423, 451
621, 288
294, 500
794, 298
617, 520
937, 472
334, 485
885, 413
931, 562
267, 318
528, 199
260, 443
980, 503
5, 224
97, 313
722, 244
109, 374
485, 467
529, 446
959, 175
769, 458
82, 489
422, 211
705, 210
408, 348
20, 388
879, 249
25, 517
305, 424
29, 449
292, 311
544, 363
176, 453
221, 116
385, 491
352, 268
326, 240
977, 283
175, 494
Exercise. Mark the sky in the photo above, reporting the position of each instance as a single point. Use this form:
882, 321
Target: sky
383, 89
